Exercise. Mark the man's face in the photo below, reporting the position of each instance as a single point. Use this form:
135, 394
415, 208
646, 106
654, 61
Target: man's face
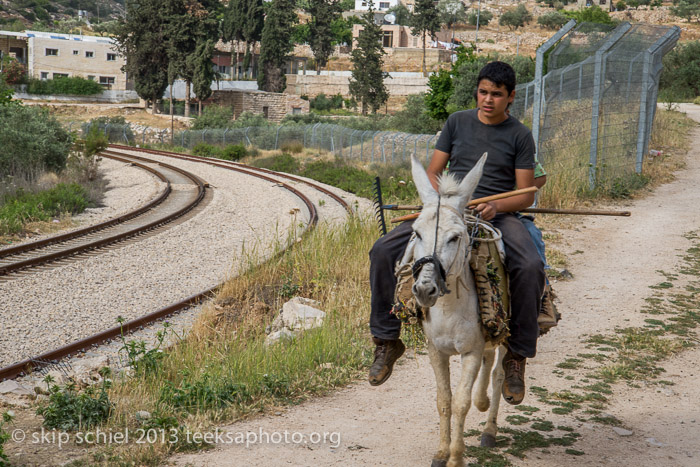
492, 101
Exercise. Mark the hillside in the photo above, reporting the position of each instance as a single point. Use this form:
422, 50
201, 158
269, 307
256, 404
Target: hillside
44, 14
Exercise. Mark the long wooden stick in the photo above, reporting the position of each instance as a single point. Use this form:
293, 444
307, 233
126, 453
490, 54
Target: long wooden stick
579, 212
474, 202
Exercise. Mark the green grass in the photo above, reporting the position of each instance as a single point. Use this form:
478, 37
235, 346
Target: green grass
20, 208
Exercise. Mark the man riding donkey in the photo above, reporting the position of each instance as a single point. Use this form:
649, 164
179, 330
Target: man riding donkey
511, 162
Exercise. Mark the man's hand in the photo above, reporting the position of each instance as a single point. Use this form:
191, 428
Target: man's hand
487, 210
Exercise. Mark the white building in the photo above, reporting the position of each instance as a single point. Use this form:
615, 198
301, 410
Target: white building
52, 55
378, 5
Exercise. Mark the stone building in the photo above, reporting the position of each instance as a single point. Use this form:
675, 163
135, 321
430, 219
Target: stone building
14, 44
52, 55
605, 5
272, 105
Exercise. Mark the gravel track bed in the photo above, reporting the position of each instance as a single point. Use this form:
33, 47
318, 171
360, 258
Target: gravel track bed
128, 189
51, 308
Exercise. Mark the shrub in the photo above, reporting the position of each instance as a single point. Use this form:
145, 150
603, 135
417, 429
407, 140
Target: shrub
339, 174
117, 129
22, 207
14, 72
280, 163
69, 410
32, 141
70, 85
214, 116
621, 6
553, 20
680, 77
233, 152
83, 162
205, 150
293, 147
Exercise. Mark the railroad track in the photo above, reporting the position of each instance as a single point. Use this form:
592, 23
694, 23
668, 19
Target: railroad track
170, 205
52, 357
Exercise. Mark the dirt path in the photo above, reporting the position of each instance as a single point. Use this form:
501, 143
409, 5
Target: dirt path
396, 424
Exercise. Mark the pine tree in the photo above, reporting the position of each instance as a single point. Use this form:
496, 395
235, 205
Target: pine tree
425, 20
243, 22
275, 45
367, 81
323, 13
204, 74
141, 37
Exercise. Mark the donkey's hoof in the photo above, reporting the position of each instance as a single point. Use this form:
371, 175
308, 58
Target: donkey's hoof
439, 463
488, 440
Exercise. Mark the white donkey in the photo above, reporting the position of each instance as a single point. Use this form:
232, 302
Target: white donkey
444, 283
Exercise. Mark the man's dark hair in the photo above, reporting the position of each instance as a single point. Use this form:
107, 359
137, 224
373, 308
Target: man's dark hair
500, 73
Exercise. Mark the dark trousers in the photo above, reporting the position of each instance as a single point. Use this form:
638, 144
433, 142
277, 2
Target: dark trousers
525, 273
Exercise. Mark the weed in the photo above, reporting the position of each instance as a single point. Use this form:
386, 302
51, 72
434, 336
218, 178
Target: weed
542, 425
7, 417
570, 364
69, 410
517, 419
293, 147
574, 452
527, 409
485, 457
141, 359
279, 163
606, 420
661, 285
202, 393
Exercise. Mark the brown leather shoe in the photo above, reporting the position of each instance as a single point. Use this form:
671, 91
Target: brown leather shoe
548, 316
514, 382
385, 355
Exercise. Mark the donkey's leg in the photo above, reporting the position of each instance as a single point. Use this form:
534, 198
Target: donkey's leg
461, 403
488, 437
481, 399
441, 366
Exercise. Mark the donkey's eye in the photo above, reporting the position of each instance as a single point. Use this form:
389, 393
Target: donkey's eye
453, 239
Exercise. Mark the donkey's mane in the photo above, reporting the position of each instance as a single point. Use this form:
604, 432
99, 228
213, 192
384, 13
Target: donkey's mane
448, 185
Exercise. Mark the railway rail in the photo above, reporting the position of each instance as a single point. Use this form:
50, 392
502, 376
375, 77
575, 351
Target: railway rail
49, 358
170, 205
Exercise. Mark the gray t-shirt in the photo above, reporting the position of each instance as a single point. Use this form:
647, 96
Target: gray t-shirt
510, 146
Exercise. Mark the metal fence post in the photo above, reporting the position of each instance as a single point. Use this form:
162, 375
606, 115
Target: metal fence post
647, 106
538, 81
246, 136
373, 137
427, 149
277, 136
362, 145
598, 82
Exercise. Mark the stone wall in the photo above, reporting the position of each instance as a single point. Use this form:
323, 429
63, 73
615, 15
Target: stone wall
274, 106
313, 85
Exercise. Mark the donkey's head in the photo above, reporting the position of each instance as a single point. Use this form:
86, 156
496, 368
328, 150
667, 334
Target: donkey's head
441, 235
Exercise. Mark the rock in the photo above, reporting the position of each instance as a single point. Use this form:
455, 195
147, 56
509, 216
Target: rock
300, 313
276, 336
622, 431
654, 442
12, 387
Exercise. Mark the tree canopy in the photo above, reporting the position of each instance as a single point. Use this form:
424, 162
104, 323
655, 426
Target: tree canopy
425, 20
516, 17
276, 44
321, 35
367, 81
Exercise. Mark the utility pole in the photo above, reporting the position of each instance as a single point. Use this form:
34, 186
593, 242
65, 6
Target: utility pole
476, 36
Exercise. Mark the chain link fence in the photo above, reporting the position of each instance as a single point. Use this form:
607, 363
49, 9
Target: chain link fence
362, 145
592, 112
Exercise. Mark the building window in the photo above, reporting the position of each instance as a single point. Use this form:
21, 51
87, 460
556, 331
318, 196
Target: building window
51, 52
415, 42
60, 75
76, 52
106, 80
44, 75
388, 39
89, 54
266, 111
91, 77
383, 5
296, 110
111, 57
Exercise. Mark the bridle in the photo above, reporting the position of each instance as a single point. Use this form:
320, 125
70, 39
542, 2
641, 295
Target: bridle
441, 274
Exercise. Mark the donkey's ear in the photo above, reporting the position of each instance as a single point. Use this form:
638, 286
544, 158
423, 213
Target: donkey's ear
470, 181
425, 189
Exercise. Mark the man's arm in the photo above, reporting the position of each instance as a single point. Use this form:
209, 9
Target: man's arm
524, 178
437, 166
